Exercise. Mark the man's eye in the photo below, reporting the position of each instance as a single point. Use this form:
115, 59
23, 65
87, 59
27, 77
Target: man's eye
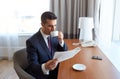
51, 25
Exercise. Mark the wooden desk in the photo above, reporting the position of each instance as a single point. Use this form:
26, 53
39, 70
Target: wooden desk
96, 69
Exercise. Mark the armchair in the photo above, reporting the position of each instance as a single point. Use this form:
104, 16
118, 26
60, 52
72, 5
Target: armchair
20, 64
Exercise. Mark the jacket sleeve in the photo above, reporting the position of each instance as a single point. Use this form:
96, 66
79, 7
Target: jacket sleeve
34, 65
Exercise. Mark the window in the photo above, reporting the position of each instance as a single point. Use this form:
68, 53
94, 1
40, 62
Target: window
109, 30
29, 14
22, 14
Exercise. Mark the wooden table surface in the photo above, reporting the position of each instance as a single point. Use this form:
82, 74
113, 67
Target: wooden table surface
95, 69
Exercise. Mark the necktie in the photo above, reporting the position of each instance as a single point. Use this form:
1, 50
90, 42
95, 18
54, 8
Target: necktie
49, 43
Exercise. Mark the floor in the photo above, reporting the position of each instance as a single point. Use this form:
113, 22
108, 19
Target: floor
6, 70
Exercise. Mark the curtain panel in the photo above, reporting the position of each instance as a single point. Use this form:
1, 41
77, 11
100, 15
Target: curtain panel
68, 12
19, 19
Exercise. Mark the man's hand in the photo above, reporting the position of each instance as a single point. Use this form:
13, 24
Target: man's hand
60, 37
51, 64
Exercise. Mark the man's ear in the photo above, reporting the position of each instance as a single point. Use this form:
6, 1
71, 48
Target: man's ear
42, 24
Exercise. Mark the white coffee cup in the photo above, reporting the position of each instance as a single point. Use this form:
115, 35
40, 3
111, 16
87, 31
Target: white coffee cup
54, 33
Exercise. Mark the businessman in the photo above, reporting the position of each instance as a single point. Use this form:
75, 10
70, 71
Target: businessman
41, 48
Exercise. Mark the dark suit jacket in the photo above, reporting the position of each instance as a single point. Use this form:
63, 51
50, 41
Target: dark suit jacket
38, 53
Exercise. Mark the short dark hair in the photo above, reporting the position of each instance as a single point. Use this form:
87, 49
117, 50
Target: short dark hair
48, 15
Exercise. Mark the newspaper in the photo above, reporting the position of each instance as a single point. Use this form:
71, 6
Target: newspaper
62, 56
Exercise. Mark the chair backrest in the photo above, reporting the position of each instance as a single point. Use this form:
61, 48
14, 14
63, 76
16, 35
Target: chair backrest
20, 57
21, 63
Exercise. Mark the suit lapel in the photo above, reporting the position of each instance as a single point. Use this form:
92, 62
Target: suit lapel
43, 44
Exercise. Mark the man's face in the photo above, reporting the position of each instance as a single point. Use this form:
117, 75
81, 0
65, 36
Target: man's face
49, 26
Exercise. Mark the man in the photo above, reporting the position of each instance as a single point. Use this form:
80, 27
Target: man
41, 52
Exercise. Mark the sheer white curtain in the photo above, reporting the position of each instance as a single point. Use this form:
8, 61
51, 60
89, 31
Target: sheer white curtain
116, 26
104, 22
8, 30
18, 20
97, 18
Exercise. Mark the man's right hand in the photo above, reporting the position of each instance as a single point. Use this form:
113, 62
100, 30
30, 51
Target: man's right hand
51, 64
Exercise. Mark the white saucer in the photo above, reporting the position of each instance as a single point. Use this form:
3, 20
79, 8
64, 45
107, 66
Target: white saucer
79, 67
